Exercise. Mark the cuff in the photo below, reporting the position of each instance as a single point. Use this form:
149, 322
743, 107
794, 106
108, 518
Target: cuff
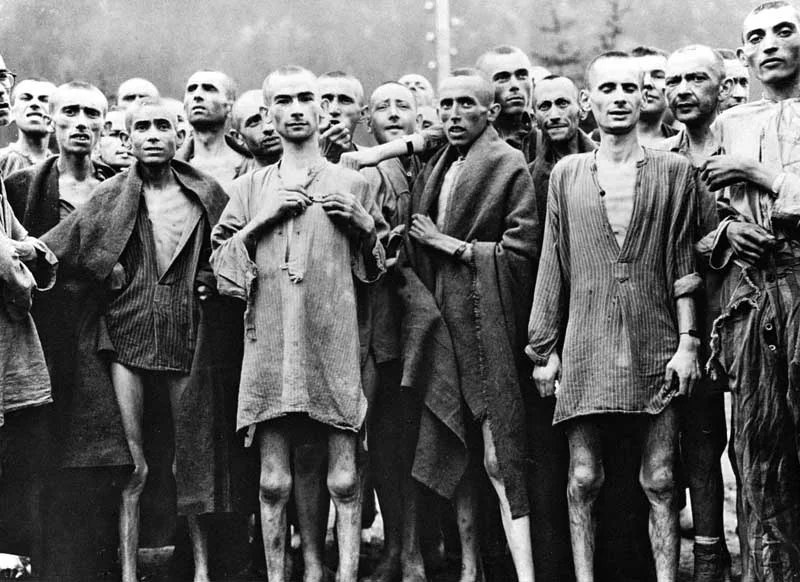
721, 252
687, 285
537, 359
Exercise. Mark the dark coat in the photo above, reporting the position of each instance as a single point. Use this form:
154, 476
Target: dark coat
484, 306
90, 242
86, 427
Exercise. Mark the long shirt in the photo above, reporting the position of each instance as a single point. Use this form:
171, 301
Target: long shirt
24, 380
590, 290
301, 345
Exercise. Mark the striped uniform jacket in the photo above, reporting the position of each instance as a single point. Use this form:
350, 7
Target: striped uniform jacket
593, 298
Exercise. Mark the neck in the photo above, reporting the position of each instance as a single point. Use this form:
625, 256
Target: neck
79, 166
786, 90
700, 136
566, 147
620, 149
33, 144
264, 161
649, 126
156, 176
508, 123
300, 155
209, 139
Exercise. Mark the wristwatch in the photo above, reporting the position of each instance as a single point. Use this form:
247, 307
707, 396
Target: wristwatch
460, 250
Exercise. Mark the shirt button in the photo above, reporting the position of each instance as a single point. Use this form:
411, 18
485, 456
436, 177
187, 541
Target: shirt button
772, 347
768, 327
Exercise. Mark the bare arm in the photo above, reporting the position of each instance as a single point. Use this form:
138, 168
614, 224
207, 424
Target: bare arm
684, 364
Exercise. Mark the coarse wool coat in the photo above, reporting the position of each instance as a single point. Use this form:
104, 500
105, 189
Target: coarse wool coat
483, 304
91, 241
86, 428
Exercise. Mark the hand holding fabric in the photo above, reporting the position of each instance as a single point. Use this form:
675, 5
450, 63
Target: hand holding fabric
345, 210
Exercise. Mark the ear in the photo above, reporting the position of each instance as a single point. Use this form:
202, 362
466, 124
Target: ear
583, 102
181, 133
725, 89
742, 58
494, 111
418, 120
363, 116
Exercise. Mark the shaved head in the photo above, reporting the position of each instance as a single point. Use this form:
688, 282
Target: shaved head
274, 78
472, 78
620, 55
249, 103
134, 89
708, 54
138, 108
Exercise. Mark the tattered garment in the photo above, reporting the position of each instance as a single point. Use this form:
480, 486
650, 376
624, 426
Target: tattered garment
301, 350
24, 380
594, 295
755, 340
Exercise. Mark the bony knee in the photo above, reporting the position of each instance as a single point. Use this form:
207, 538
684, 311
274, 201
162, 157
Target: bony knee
659, 483
137, 479
492, 465
275, 487
343, 485
585, 480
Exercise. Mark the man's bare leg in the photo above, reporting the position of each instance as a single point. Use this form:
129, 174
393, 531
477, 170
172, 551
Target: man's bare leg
586, 477
312, 503
275, 486
198, 529
344, 486
466, 502
657, 478
518, 531
413, 566
129, 390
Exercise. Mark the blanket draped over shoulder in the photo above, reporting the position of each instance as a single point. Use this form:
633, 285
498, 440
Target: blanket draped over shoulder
90, 242
465, 324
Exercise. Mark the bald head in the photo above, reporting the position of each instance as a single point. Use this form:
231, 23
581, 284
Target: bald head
420, 87
78, 91
135, 89
248, 104
471, 80
599, 60
701, 53
279, 76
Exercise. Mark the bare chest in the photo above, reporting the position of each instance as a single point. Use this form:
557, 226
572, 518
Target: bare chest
76, 192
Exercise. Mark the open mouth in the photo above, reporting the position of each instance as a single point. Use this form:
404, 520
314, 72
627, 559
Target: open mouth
81, 137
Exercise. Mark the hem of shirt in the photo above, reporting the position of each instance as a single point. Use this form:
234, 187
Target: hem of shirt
649, 410
28, 404
147, 368
250, 426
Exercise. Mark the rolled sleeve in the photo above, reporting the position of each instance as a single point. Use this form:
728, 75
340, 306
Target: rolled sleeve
687, 285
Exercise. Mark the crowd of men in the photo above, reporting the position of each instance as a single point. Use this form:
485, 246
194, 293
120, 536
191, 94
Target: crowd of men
523, 297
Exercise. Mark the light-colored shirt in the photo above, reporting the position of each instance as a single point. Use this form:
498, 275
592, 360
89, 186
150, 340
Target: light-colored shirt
301, 345
593, 296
